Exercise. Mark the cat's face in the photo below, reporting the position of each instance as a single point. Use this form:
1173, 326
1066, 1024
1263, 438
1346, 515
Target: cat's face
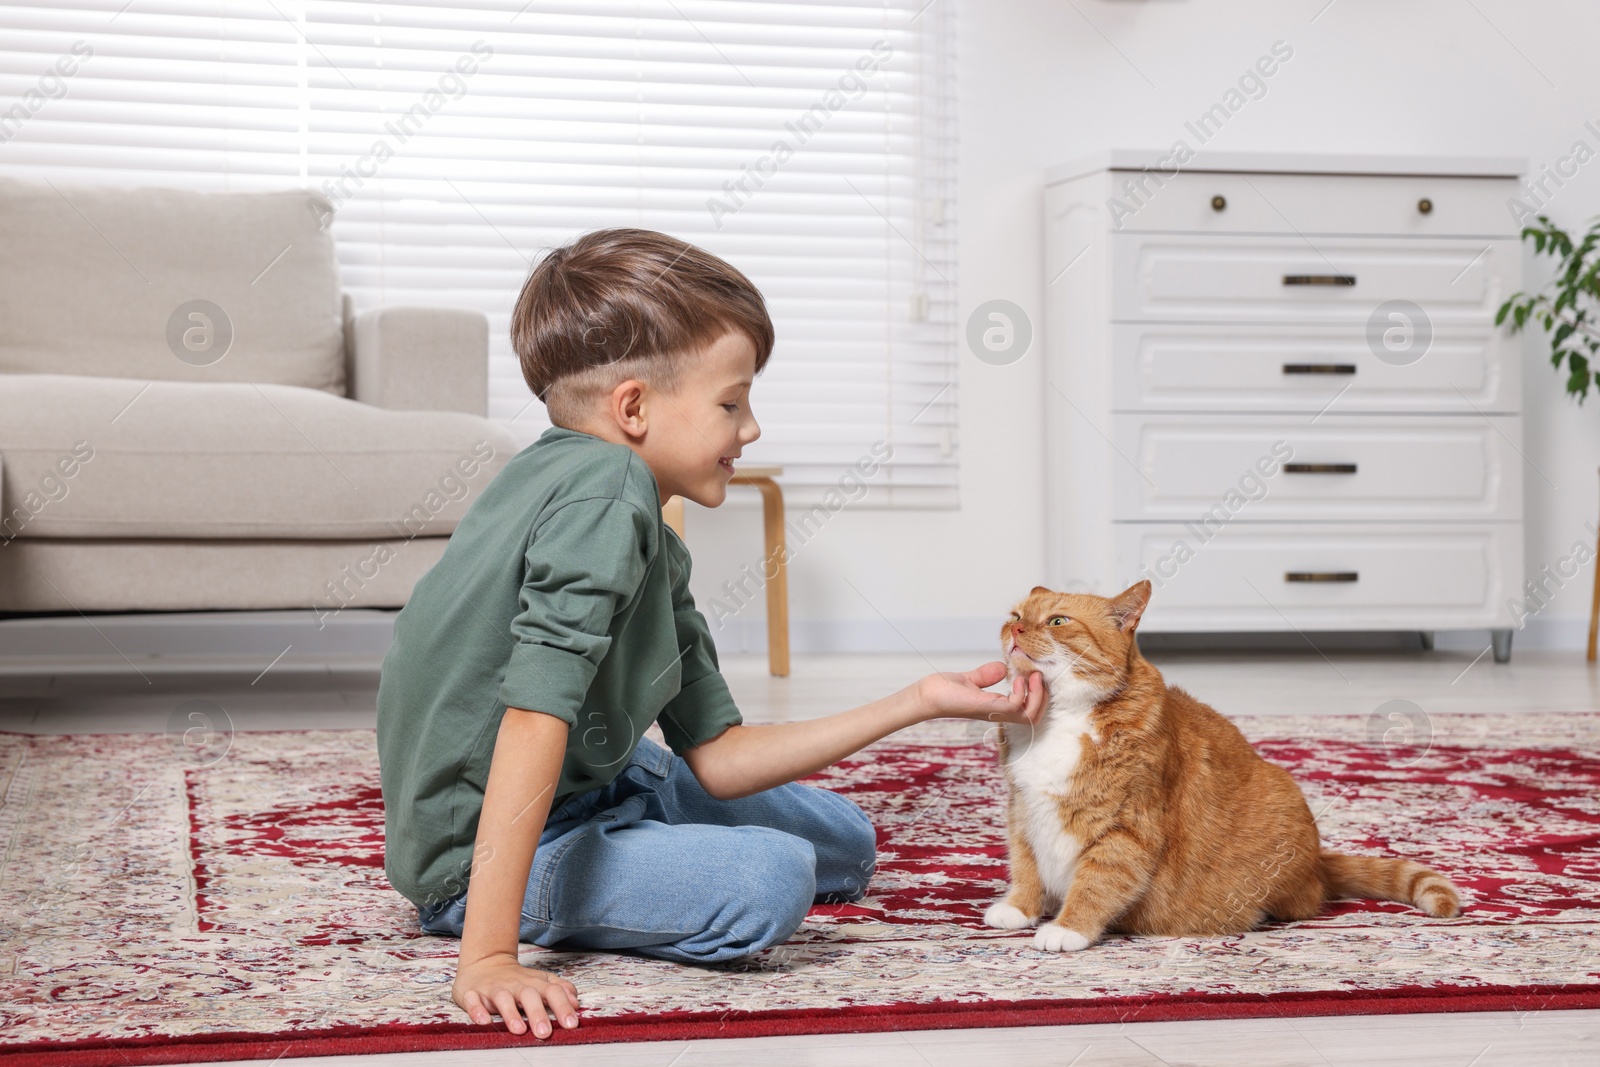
1073, 636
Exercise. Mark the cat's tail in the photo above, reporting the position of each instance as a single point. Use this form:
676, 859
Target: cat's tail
1381, 878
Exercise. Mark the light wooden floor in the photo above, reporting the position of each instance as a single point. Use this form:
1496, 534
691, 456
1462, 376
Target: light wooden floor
1486, 1039
1235, 682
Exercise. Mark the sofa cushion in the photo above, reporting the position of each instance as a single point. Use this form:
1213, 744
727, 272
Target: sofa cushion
169, 284
123, 458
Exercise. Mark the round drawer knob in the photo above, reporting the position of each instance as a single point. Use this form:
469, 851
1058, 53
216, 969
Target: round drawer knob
1425, 205
1220, 202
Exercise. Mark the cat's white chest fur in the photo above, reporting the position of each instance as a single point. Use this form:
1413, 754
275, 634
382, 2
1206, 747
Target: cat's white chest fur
1041, 763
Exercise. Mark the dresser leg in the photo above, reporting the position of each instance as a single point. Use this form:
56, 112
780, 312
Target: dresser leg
1502, 645
1427, 640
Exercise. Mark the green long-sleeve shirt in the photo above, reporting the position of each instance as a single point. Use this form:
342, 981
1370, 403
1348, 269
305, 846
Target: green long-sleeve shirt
563, 592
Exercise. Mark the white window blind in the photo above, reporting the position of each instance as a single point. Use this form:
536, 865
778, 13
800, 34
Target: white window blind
810, 144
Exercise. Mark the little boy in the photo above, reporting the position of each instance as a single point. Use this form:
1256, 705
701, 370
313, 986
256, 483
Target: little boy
522, 802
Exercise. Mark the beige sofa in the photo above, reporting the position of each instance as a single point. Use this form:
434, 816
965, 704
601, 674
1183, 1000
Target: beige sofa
193, 417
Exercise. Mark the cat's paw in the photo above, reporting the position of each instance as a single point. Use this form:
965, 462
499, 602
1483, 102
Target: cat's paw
1003, 916
1054, 937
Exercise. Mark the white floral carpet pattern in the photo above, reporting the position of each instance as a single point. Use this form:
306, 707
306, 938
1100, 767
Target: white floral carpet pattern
156, 907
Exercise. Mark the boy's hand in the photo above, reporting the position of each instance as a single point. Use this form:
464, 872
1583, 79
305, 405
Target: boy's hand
499, 985
963, 696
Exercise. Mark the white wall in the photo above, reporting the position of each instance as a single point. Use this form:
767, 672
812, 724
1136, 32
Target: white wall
1041, 83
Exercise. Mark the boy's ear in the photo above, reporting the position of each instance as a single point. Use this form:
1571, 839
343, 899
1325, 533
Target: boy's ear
627, 407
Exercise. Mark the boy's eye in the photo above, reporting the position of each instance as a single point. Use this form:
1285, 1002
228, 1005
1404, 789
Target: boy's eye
730, 407
1058, 620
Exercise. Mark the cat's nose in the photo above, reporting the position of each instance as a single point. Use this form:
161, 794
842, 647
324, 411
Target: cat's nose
1016, 627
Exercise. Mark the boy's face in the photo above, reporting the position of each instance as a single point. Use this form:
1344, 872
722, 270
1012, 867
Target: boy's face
697, 430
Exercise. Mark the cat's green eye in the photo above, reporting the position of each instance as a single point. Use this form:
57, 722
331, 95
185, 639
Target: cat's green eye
1058, 620
1015, 617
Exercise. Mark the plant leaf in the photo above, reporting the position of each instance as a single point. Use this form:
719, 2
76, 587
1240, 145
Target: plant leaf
1578, 379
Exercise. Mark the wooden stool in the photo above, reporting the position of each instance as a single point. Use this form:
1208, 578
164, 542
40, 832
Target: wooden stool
777, 586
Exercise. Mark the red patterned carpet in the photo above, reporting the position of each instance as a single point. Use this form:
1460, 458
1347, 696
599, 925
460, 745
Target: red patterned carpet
158, 911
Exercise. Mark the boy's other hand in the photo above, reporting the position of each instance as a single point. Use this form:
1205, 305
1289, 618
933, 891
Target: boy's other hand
499, 985
965, 696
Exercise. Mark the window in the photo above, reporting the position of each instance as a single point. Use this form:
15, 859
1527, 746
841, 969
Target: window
810, 144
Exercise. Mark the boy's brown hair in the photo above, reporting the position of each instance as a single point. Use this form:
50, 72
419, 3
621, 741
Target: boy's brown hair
625, 303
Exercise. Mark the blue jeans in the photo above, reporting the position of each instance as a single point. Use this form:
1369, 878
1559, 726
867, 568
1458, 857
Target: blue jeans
654, 864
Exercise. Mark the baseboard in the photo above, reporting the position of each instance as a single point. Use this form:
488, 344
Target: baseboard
357, 639
982, 634
863, 635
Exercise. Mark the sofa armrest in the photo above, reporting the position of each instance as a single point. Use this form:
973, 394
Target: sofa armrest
418, 358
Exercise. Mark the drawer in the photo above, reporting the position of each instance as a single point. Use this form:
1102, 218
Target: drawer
1390, 577
1263, 368
1312, 204
1207, 469
1161, 278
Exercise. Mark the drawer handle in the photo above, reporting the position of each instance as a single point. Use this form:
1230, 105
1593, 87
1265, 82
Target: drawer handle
1322, 576
1319, 279
1425, 205
1319, 468
1219, 203
1319, 368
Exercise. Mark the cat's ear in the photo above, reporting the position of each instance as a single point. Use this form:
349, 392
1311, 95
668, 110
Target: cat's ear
1039, 589
1128, 606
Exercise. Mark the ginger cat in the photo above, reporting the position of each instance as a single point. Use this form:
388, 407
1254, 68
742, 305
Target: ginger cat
1137, 809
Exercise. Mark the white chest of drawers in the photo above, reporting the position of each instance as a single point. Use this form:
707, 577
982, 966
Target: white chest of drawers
1274, 387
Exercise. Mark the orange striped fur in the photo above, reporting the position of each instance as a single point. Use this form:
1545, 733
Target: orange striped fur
1134, 808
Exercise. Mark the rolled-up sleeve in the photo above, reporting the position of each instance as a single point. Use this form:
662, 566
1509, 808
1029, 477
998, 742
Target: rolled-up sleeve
585, 562
704, 707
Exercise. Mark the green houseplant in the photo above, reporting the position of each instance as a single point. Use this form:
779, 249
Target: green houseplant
1566, 308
